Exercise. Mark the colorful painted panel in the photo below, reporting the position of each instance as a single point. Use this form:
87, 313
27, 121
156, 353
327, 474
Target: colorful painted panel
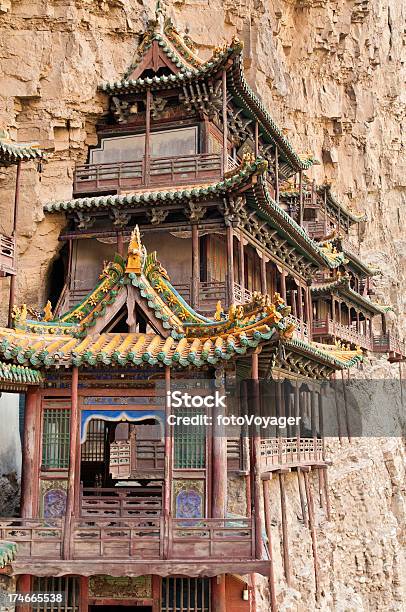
53, 498
189, 499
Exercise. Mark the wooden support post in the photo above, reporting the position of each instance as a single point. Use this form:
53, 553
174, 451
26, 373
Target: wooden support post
302, 495
29, 477
73, 457
276, 175
301, 211
195, 265
285, 537
241, 263
219, 472
283, 284
268, 527
325, 212
23, 586
312, 527
168, 466
218, 594
225, 121
263, 274
347, 416
84, 594
246, 442
256, 457
308, 310
219, 500
328, 506
13, 279
313, 414
321, 488
147, 149
230, 264
256, 139
300, 305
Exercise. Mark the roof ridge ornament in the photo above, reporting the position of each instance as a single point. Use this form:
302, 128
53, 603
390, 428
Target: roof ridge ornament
136, 253
160, 15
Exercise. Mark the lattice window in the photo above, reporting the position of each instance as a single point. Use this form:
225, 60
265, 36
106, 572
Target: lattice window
189, 442
93, 447
185, 594
56, 435
67, 584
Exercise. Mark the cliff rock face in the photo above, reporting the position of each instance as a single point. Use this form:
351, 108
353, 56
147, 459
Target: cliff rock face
331, 73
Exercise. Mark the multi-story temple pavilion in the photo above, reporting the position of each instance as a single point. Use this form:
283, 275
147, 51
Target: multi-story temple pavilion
194, 249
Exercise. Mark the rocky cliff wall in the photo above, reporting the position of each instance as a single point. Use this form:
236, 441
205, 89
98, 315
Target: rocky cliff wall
331, 73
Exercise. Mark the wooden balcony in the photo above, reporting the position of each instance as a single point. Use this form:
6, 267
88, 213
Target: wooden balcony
132, 539
7, 256
329, 328
277, 453
154, 172
121, 502
391, 344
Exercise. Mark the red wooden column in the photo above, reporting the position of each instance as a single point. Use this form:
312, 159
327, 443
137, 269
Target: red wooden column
219, 500
256, 458
167, 507
283, 284
225, 121
23, 586
264, 288
230, 264
241, 263
195, 266
120, 243
74, 458
84, 594
14, 235
29, 476
147, 146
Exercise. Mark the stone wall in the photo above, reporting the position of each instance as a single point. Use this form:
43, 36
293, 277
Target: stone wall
330, 72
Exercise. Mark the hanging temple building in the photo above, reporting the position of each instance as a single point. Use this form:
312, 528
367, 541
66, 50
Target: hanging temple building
196, 249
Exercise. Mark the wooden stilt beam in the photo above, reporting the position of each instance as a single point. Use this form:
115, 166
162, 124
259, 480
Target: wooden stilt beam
326, 493
338, 414
302, 495
347, 417
312, 527
268, 527
321, 489
73, 457
120, 243
241, 262
29, 478
285, 537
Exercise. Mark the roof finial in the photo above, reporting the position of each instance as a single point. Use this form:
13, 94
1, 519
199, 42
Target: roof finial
160, 15
136, 252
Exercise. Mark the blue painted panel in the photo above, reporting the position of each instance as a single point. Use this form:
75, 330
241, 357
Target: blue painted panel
119, 415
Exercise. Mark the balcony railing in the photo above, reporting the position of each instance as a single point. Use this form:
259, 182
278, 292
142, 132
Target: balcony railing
279, 452
132, 538
241, 295
328, 327
7, 255
158, 171
301, 327
389, 343
121, 502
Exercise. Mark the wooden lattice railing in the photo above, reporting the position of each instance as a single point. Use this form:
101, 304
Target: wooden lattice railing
132, 538
93, 178
278, 452
328, 327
